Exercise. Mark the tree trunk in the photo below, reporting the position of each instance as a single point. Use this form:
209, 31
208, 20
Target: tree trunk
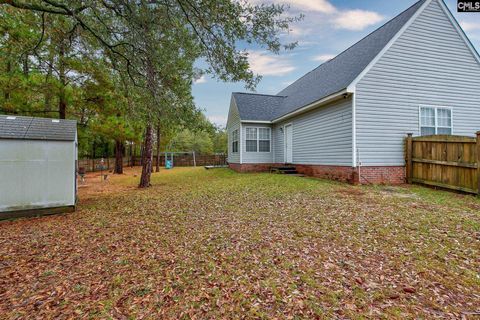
132, 154
94, 146
106, 150
152, 88
7, 89
26, 68
48, 91
62, 101
62, 105
147, 158
157, 169
118, 157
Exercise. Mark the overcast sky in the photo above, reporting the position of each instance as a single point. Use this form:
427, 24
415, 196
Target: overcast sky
329, 27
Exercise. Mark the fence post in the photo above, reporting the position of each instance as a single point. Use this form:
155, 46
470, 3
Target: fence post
478, 163
409, 162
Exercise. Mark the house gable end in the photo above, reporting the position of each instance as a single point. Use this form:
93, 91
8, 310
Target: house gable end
351, 88
233, 123
431, 63
233, 113
460, 31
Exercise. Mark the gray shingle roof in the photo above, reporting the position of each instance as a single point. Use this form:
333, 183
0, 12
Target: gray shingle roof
331, 77
30, 128
257, 107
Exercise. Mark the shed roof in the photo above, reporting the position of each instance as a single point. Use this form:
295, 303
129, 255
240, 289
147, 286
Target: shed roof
329, 78
32, 128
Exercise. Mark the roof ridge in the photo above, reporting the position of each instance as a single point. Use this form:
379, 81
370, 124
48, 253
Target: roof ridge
261, 94
353, 45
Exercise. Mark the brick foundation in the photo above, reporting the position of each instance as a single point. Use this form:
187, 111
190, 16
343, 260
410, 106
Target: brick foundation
337, 173
382, 175
368, 175
252, 167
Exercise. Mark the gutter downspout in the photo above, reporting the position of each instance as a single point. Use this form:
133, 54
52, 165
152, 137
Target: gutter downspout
356, 168
354, 130
240, 144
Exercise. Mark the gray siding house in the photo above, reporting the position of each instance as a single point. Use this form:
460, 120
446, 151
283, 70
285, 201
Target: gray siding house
347, 119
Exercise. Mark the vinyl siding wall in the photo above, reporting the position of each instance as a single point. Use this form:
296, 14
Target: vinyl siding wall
255, 157
320, 137
278, 142
233, 123
429, 64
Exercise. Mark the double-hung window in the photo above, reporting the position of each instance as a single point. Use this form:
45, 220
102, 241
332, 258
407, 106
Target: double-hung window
235, 141
258, 139
435, 120
264, 139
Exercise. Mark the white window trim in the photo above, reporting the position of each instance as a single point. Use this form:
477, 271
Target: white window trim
258, 139
436, 117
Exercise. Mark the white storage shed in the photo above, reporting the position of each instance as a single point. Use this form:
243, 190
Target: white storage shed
38, 159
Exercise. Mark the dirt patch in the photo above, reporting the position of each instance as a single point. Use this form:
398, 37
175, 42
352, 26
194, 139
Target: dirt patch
94, 185
398, 192
354, 192
474, 206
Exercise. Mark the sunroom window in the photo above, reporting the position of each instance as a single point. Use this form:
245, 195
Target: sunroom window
258, 139
435, 120
235, 141
264, 139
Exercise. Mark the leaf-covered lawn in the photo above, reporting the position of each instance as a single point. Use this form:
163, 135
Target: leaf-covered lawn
219, 245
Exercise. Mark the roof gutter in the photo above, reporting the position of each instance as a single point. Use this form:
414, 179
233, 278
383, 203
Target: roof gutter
256, 121
313, 105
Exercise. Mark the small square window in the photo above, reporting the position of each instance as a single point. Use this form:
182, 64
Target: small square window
435, 120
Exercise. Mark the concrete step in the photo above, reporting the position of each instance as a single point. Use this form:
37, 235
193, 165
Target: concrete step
284, 170
289, 172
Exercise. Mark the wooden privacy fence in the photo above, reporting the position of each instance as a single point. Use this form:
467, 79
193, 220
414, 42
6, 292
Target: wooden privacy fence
179, 160
451, 162
92, 165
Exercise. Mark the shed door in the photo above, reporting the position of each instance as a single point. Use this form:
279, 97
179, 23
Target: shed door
288, 143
